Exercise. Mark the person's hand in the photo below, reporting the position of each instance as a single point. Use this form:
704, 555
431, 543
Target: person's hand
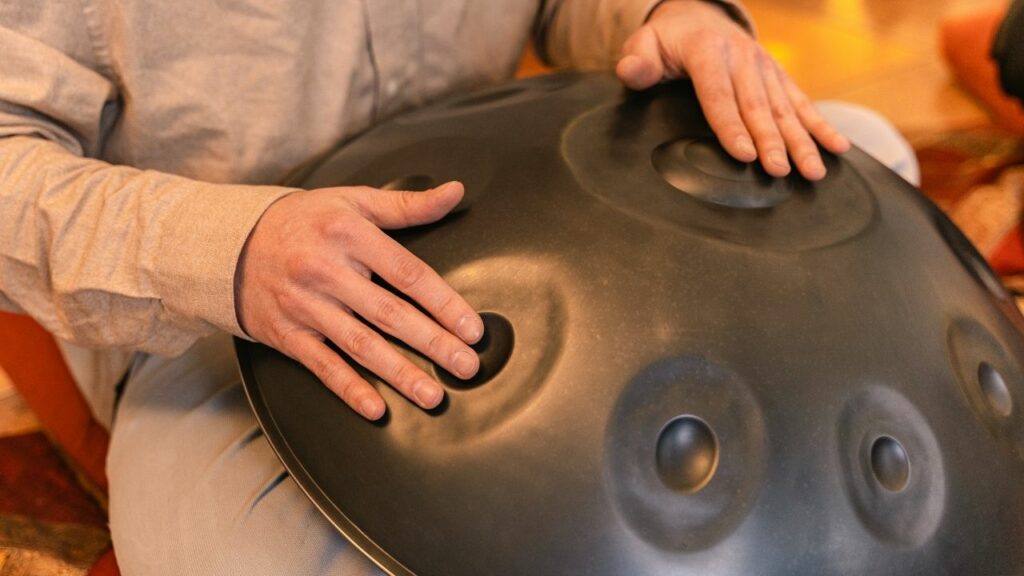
304, 275
752, 105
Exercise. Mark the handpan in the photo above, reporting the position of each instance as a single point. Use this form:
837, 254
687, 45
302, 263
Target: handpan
689, 367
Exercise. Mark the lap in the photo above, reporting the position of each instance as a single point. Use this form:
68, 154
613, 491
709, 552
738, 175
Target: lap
196, 489
874, 134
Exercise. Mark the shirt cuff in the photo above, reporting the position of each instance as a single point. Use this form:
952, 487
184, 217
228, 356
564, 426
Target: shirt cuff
199, 247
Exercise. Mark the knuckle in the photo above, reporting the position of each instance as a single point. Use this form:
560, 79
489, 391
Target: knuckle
820, 126
803, 149
756, 104
708, 38
347, 387
400, 374
445, 303
287, 337
435, 345
749, 50
342, 227
388, 312
301, 268
405, 201
803, 103
334, 228
332, 374
775, 143
408, 272
780, 112
718, 94
331, 371
358, 342
733, 130
288, 302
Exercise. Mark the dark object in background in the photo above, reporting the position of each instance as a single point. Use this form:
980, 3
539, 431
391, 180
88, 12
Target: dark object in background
708, 371
1008, 50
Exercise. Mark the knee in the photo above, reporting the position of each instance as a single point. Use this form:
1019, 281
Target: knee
874, 134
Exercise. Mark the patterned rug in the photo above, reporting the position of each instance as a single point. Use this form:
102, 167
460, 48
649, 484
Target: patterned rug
977, 178
49, 525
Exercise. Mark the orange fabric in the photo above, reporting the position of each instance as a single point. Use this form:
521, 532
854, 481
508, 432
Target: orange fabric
967, 44
105, 566
1008, 258
31, 358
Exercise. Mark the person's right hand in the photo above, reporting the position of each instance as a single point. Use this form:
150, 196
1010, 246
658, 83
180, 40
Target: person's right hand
305, 273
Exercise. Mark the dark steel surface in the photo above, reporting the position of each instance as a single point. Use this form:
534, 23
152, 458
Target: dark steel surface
692, 368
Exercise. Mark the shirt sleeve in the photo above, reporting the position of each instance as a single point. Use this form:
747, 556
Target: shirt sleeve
103, 256
589, 34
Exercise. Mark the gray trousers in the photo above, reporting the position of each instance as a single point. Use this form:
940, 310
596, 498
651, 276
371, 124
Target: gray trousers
195, 488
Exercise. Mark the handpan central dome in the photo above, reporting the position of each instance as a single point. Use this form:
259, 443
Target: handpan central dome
690, 367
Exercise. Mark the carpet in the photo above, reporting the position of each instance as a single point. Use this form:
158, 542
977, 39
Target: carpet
49, 524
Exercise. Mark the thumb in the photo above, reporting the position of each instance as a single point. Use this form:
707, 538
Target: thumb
640, 66
393, 209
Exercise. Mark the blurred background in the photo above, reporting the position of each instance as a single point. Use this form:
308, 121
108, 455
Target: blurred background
883, 54
926, 66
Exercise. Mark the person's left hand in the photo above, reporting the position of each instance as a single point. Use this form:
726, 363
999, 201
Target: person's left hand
752, 105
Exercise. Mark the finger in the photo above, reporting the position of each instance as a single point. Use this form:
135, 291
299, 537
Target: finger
641, 65
374, 353
338, 376
801, 147
413, 277
756, 110
718, 101
394, 209
403, 321
809, 116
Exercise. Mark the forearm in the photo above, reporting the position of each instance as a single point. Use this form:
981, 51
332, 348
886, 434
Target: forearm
112, 256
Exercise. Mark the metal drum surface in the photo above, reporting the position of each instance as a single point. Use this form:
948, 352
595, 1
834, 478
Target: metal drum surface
689, 368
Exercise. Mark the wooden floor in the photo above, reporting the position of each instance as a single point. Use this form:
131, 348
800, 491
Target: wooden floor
883, 54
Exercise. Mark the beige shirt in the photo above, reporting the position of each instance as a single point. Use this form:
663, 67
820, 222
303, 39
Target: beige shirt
140, 140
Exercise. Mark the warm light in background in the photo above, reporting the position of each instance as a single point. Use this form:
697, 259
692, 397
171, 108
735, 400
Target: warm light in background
851, 11
782, 52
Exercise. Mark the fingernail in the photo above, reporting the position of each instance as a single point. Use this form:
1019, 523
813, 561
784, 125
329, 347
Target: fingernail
778, 159
449, 185
427, 393
470, 328
368, 408
745, 146
464, 364
815, 168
